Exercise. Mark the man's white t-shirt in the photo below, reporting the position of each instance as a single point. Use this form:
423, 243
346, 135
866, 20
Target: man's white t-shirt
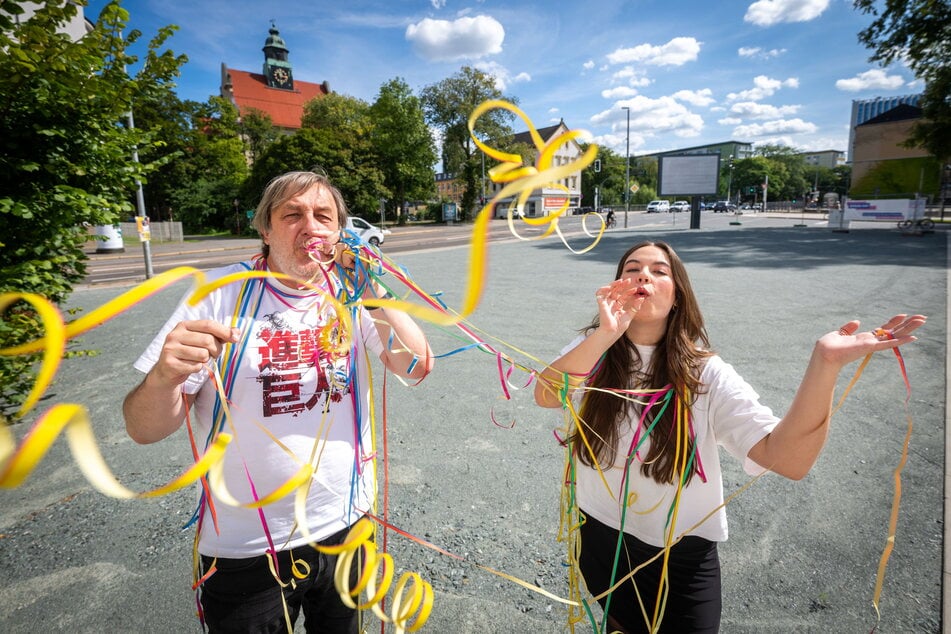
292, 403
727, 413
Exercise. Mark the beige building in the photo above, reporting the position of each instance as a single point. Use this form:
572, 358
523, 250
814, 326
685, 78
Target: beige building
547, 200
824, 158
880, 139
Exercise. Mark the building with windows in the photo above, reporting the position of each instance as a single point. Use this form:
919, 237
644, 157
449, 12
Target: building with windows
274, 91
547, 200
726, 149
866, 109
881, 139
449, 188
824, 158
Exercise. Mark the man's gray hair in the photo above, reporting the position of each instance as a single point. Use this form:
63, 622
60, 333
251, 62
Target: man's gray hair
284, 187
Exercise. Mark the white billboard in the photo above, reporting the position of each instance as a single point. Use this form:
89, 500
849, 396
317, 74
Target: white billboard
688, 175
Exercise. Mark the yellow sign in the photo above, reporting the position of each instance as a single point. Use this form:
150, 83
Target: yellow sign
634, 188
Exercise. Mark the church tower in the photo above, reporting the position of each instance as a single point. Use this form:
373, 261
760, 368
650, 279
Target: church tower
277, 70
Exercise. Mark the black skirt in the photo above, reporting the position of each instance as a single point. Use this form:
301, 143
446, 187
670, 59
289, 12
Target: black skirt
693, 572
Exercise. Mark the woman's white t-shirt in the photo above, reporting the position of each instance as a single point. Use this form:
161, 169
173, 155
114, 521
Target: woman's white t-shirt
727, 413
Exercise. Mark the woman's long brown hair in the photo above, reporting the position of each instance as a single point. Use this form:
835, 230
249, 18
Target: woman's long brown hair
677, 360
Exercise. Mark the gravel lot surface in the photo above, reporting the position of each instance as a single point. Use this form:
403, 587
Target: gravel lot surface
802, 556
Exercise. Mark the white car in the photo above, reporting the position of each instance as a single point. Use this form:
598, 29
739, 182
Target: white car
657, 206
365, 231
680, 205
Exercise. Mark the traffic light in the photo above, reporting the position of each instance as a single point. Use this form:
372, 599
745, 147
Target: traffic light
597, 165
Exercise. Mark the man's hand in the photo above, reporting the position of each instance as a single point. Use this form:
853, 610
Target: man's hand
189, 346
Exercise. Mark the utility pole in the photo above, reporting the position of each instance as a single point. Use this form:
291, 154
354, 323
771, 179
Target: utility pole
627, 178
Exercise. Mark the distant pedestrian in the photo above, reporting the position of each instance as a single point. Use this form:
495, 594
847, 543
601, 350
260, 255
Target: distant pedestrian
653, 404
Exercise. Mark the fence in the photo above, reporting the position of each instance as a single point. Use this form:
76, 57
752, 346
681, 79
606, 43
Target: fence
161, 231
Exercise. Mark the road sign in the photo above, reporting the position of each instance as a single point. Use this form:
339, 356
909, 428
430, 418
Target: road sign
634, 188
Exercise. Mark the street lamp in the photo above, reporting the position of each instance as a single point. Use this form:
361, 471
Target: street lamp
627, 155
729, 182
945, 190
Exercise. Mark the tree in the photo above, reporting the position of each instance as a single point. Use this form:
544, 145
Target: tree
916, 33
609, 182
349, 166
258, 131
65, 153
403, 145
447, 106
342, 113
216, 165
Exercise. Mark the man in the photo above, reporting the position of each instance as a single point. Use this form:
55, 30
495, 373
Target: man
295, 398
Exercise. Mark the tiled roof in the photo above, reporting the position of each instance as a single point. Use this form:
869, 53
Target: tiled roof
285, 107
544, 133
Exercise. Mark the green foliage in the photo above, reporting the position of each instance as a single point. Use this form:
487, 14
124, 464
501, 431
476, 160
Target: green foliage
200, 157
900, 177
610, 181
343, 113
258, 130
447, 106
403, 145
350, 167
65, 154
916, 33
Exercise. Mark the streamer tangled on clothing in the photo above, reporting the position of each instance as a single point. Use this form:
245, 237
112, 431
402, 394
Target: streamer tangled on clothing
414, 596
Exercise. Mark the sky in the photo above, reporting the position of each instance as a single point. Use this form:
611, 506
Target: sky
692, 72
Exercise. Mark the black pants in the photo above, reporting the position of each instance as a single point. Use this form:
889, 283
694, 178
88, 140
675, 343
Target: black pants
243, 596
693, 570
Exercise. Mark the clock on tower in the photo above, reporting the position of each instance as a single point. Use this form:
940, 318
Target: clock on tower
280, 77
277, 68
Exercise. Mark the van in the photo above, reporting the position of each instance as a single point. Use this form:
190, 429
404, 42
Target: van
365, 231
657, 206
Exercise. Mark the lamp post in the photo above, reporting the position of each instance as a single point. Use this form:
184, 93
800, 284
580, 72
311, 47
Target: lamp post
945, 190
729, 183
627, 157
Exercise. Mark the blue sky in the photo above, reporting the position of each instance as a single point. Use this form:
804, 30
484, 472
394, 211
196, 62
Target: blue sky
691, 71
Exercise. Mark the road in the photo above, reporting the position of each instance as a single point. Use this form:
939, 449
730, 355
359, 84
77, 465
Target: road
129, 267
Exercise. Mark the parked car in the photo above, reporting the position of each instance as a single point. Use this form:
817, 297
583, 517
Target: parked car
365, 231
724, 206
657, 206
680, 205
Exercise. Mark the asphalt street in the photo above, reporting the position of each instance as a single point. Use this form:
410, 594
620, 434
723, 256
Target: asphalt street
802, 556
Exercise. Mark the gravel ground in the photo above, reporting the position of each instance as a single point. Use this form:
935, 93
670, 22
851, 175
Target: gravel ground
802, 556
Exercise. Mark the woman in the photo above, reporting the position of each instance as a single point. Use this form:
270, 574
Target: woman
656, 404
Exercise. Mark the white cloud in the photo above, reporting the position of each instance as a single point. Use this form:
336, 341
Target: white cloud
702, 97
438, 4
730, 121
464, 38
753, 110
621, 92
503, 78
619, 142
651, 116
676, 52
794, 126
763, 87
588, 65
756, 51
631, 76
770, 12
874, 79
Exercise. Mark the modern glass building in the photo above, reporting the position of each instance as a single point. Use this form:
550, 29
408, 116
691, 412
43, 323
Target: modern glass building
865, 109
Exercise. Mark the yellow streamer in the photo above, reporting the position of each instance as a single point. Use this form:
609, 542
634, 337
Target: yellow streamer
74, 419
412, 596
521, 180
